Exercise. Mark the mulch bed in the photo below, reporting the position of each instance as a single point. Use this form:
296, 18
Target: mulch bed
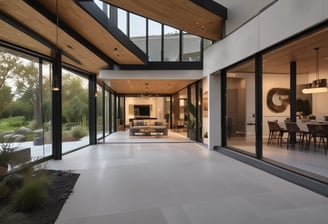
60, 189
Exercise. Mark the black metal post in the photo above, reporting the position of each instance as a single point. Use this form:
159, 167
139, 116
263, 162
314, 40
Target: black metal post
258, 106
57, 107
92, 110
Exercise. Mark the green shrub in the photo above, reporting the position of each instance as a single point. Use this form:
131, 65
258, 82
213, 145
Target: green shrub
33, 193
78, 132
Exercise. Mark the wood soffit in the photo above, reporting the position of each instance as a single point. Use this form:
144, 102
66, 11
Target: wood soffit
153, 87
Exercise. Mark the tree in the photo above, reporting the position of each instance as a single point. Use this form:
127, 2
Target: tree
8, 66
75, 98
28, 87
6, 98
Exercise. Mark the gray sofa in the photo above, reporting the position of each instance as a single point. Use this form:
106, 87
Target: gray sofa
148, 127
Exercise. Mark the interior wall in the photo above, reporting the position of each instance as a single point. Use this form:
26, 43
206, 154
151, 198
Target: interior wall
319, 100
156, 110
273, 81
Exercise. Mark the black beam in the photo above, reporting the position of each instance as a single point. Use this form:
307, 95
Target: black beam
258, 105
57, 108
94, 11
52, 18
213, 7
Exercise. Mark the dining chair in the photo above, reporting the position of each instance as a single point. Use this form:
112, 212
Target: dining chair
275, 133
316, 131
294, 131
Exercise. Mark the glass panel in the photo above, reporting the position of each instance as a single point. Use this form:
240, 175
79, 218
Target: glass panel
241, 107
190, 47
120, 113
171, 44
304, 154
122, 20
138, 31
206, 43
25, 110
192, 116
46, 107
167, 110
75, 101
99, 4
154, 41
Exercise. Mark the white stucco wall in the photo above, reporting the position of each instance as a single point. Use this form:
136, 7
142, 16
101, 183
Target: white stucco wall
240, 11
280, 21
214, 113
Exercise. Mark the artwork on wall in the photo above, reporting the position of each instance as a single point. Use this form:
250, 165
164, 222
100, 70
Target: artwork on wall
278, 99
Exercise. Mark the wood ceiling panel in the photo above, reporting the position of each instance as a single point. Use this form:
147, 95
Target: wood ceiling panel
12, 35
76, 53
301, 50
181, 14
80, 21
148, 86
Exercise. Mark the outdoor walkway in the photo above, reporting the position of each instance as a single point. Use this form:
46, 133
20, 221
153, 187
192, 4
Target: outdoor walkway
179, 183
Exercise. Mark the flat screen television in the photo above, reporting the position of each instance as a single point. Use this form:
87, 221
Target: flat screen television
141, 110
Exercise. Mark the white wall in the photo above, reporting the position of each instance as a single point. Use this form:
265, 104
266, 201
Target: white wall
157, 105
239, 11
281, 20
214, 113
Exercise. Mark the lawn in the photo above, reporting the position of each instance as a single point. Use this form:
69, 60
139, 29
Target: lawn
12, 123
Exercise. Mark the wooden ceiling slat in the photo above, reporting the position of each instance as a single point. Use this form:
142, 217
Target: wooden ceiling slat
79, 20
137, 86
30, 18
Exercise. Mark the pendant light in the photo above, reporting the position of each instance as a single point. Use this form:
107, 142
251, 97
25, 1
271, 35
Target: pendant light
55, 81
318, 85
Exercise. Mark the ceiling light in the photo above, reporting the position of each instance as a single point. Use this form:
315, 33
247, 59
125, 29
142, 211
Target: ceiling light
318, 85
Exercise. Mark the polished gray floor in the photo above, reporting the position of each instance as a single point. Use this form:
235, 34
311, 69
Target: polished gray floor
179, 183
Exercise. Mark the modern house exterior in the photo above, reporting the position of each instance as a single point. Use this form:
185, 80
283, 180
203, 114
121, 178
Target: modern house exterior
229, 85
